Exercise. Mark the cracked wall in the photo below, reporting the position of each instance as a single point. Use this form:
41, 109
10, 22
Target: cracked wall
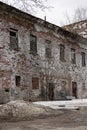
22, 63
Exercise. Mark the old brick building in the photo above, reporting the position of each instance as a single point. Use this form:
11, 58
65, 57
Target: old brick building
39, 60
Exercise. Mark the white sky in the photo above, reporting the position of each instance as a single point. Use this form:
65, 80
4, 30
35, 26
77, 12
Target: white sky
56, 15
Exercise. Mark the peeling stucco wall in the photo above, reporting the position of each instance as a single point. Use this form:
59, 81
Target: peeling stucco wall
21, 62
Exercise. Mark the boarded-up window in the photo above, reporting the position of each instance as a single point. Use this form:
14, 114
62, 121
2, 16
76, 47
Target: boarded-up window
83, 59
33, 44
62, 52
73, 56
35, 83
48, 48
17, 80
13, 39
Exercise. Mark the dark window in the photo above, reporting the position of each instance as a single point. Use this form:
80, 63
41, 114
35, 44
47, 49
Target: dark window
17, 80
35, 83
73, 56
13, 39
33, 44
83, 58
51, 91
62, 52
74, 89
6, 89
83, 86
48, 49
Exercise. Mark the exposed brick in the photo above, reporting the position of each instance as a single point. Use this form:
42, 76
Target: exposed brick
48, 70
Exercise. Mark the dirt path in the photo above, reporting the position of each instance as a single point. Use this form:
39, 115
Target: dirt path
70, 120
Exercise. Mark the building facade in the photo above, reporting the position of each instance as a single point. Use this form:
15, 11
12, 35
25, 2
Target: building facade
39, 60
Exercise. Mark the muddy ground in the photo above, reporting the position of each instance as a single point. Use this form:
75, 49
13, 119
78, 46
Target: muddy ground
68, 120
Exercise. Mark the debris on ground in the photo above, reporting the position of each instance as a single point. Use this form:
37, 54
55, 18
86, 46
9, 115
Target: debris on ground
21, 110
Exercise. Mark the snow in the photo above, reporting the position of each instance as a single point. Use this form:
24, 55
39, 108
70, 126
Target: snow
84, 24
75, 27
23, 110
20, 110
82, 33
68, 104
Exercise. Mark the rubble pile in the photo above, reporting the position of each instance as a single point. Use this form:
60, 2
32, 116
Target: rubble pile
21, 110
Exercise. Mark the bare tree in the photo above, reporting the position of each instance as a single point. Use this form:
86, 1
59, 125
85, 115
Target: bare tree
29, 6
67, 18
78, 15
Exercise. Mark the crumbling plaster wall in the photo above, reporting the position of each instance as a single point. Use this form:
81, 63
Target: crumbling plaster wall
18, 62
22, 62
65, 71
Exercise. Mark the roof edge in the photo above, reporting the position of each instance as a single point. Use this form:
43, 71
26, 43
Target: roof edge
53, 27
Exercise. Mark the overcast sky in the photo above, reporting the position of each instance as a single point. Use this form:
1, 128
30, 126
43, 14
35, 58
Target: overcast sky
57, 14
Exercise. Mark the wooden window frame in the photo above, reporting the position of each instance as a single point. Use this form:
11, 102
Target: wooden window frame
73, 56
62, 52
83, 86
17, 80
13, 37
33, 44
83, 57
35, 83
48, 49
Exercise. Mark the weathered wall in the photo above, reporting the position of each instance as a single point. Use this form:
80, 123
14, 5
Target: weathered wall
21, 62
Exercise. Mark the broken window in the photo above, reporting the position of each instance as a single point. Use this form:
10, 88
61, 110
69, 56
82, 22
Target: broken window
33, 44
73, 56
13, 39
35, 83
83, 59
17, 80
48, 49
62, 52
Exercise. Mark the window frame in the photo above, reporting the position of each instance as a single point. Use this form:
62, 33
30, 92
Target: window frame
13, 46
83, 86
32, 50
48, 48
62, 55
17, 80
73, 55
34, 82
83, 58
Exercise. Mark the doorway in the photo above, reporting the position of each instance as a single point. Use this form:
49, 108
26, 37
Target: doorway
74, 89
50, 91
